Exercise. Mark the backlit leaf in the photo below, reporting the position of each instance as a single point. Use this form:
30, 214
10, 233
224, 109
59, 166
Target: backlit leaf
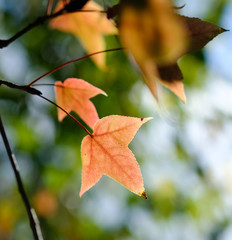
106, 152
74, 94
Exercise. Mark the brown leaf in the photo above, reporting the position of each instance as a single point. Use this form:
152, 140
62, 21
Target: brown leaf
157, 37
170, 73
200, 32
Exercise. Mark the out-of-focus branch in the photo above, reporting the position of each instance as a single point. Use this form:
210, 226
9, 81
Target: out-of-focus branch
37, 22
34, 222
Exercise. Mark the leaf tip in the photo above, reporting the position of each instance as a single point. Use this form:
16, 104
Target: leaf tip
146, 119
81, 193
60, 116
104, 93
143, 194
183, 98
224, 30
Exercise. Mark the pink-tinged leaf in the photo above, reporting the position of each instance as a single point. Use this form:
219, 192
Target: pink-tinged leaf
88, 27
107, 152
74, 94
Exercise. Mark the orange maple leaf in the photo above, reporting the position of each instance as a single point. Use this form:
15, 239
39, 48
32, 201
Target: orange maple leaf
88, 27
74, 94
106, 152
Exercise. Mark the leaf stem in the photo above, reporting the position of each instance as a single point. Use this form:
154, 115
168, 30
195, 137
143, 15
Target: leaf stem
34, 91
72, 61
34, 222
48, 100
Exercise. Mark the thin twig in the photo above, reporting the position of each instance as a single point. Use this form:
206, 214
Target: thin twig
21, 87
48, 100
34, 91
72, 61
34, 222
44, 84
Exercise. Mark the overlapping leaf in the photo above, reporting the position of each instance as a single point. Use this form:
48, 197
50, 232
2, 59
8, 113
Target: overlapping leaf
88, 27
157, 37
74, 94
106, 152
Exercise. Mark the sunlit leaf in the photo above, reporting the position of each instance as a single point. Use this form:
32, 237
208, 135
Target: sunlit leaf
106, 152
74, 94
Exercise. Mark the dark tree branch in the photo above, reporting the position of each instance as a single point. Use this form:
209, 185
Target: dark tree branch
21, 87
40, 21
34, 222
34, 91
37, 22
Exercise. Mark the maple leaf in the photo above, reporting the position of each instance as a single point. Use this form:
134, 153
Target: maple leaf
157, 37
74, 94
154, 35
106, 152
199, 33
88, 27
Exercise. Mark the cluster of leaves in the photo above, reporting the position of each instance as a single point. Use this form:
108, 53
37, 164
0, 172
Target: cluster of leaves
157, 37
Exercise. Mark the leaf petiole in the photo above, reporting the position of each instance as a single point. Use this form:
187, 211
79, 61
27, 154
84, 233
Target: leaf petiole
72, 61
34, 91
48, 100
